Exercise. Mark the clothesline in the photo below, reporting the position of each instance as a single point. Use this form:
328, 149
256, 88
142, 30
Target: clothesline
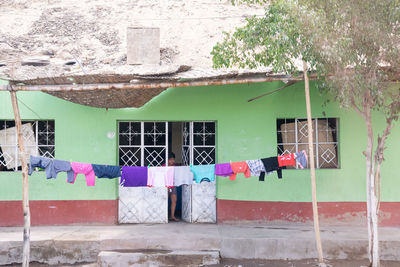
167, 176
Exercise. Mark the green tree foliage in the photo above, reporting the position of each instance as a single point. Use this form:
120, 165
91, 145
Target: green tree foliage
354, 48
273, 40
357, 46
352, 45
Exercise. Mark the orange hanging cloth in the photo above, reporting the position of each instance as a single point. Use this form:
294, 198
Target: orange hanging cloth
239, 167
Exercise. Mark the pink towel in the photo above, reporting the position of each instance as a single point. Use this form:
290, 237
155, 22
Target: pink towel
86, 169
161, 176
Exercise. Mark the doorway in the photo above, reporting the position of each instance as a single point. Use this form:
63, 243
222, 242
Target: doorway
175, 142
193, 143
148, 144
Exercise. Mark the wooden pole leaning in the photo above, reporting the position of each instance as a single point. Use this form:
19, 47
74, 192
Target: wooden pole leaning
312, 167
25, 182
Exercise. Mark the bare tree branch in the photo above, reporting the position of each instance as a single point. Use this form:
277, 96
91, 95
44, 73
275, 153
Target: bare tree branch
354, 105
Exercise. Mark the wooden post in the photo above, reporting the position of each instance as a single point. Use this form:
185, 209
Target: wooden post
312, 166
25, 182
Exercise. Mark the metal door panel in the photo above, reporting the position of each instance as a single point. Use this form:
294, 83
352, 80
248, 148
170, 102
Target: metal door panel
187, 203
204, 203
143, 205
155, 205
129, 204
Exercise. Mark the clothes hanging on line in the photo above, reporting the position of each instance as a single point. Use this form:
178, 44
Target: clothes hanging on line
239, 167
106, 171
183, 175
160, 176
203, 172
51, 166
167, 176
62, 166
223, 169
256, 167
133, 176
83, 168
40, 162
286, 160
270, 164
301, 158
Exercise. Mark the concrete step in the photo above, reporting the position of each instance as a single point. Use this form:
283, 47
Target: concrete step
156, 257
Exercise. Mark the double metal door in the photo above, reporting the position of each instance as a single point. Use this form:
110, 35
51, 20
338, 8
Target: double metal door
146, 144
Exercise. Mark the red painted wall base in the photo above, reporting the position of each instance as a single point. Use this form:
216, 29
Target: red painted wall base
330, 213
64, 212
60, 212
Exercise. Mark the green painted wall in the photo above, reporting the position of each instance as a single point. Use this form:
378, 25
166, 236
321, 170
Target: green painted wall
245, 131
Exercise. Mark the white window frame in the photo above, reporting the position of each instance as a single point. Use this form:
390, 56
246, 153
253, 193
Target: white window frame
203, 134
142, 146
35, 123
316, 141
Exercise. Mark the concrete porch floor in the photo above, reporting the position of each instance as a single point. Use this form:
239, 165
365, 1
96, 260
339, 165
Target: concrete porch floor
79, 244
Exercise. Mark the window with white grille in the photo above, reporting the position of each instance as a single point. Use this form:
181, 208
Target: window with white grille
198, 143
142, 143
292, 135
38, 138
146, 143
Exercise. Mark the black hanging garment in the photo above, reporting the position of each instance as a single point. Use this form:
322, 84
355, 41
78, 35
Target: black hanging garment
270, 164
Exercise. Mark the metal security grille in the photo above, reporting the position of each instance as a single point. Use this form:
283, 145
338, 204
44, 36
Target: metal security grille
198, 143
142, 143
186, 143
293, 136
39, 139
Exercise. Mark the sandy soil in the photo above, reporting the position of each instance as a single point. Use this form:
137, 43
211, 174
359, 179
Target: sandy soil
94, 31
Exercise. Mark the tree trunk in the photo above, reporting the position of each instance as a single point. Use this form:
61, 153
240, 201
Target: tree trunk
374, 220
312, 166
372, 200
25, 182
368, 190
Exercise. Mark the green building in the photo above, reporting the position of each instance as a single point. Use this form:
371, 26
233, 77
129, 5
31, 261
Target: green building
88, 95
223, 127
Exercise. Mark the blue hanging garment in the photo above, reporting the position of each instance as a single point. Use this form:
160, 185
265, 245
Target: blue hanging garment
203, 171
106, 171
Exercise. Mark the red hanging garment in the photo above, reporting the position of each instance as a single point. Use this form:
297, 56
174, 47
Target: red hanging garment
286, 160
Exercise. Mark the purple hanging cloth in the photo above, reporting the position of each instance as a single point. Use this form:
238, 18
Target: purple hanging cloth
223, 169
133, 176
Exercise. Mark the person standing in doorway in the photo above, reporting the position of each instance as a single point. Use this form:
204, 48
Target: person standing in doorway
172, 192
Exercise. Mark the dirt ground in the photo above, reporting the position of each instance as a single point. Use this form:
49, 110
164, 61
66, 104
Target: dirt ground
259, 263
300, 263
